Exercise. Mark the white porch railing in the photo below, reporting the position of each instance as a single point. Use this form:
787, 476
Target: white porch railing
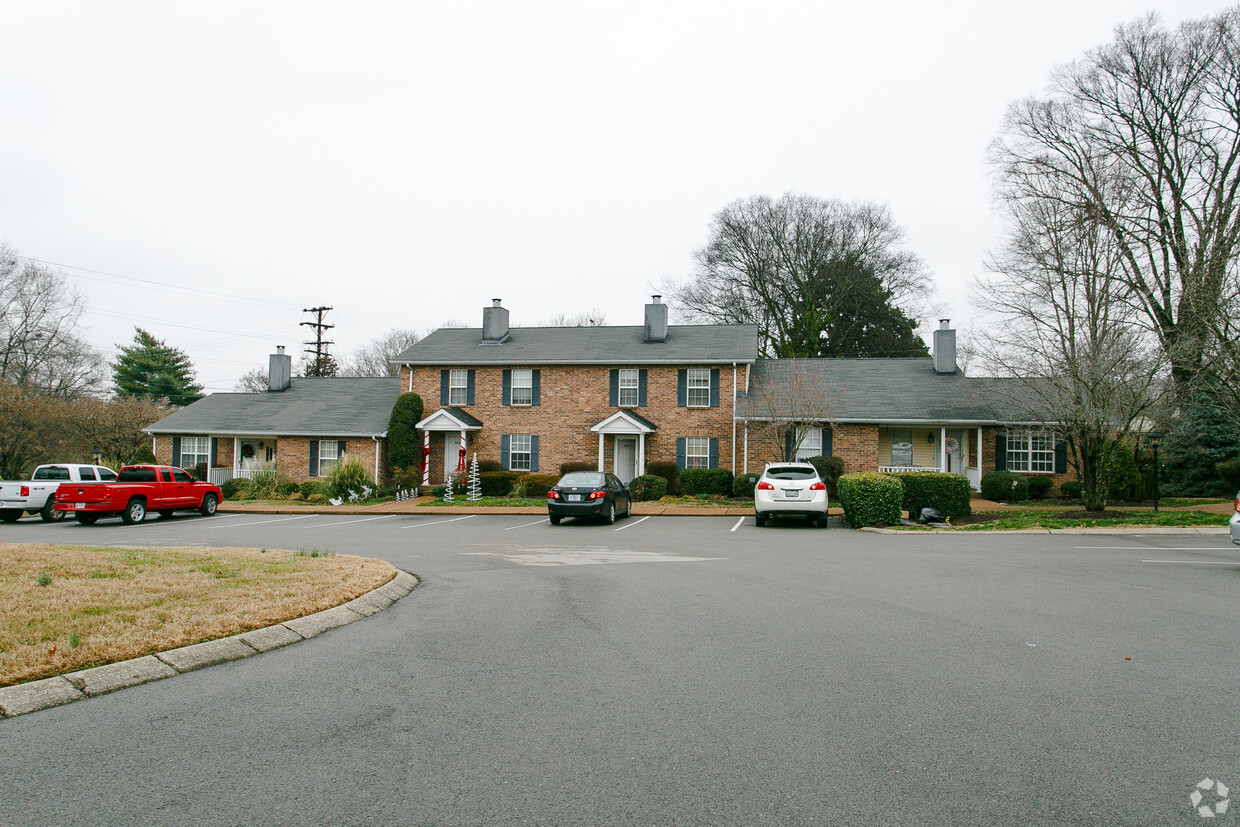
219, 476
971, 474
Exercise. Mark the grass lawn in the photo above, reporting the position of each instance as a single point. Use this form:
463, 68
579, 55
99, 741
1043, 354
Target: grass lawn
67, 608
1010, 522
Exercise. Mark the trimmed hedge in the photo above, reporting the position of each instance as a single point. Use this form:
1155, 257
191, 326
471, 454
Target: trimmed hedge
1070, 490
1039, 487
534, 485
1005, 486
489, 465
577, 465
497, 483
947, 493
668, 471
871, 499
706, 481
647, 487
830, 469
742, 486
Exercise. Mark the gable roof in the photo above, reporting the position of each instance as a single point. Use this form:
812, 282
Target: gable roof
685, 344
882, 391
311, 406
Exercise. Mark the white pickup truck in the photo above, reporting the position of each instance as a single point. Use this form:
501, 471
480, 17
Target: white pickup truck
38, 494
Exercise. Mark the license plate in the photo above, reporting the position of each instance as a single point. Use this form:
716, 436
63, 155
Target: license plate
79, 505
574, 498
792, 495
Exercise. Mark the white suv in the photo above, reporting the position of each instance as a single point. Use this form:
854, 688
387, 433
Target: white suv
1234, 525
790, 489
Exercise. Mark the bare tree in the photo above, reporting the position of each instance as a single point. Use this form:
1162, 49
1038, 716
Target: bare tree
254, 381
784, 401
593, 318
792, 266
1142, 137
374, 358
112, 426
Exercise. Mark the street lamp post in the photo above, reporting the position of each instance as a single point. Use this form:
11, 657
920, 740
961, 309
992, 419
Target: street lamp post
97, 456
1154, 437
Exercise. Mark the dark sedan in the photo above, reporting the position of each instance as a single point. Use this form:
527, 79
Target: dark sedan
588, 494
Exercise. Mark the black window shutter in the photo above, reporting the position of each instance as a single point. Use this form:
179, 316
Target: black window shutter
176, 451
443, 389
714, 452
714, 389
641, 388
535, 387
680, 452
314, 458
503, 452
682, 388
826, 442
788, 446
534, 454
1061, 457
505, 397
340, 449
471, 388
215, 449
613, 398
1000, 452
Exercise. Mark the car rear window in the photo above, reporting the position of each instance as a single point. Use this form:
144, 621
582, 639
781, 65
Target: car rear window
106, 475
136, 475
52, 472
792, 473
581, 480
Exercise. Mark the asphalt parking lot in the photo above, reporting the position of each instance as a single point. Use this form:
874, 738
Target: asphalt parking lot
677, 670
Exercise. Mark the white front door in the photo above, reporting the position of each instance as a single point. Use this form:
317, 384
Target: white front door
626, 458
451, 452
955, 459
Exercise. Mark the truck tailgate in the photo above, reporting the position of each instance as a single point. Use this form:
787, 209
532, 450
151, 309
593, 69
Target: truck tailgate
82, 493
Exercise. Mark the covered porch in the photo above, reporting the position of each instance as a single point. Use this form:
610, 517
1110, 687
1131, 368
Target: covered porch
950, 449
243, 457
628, 432
454, 424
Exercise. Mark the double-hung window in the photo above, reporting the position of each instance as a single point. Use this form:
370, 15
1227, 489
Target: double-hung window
1031, 451
809, 443
329, 455
522, 387
520, 448
699, 388
195, 449
697, 452
629, 378
458, 387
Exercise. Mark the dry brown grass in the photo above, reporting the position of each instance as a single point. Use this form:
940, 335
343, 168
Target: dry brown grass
102, 605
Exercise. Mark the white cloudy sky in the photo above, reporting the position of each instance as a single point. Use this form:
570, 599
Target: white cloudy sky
220, 166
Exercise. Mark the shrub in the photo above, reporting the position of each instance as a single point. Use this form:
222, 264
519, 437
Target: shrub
407, 479
309, 489
317, 498
286, 487
264, 486
708, 481
570, 467
489, 465
871, 499
1123, 472
668, 471
534, 485
947, 493
235, 488
200, 471
742, 486
143, 455
348, 474
1039, 486
1070, 490
458, 488
1229, 472
830, 469
497, 483
404, 444
647, 487
1005, 486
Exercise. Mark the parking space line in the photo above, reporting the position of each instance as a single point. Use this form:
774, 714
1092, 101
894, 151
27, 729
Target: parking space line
440, 522
1149, 548
264, 522
738, 524
630, 525
1197, 562
350, 522
526, 525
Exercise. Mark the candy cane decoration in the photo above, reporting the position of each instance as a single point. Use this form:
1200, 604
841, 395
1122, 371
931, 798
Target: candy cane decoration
426, 457
460, 463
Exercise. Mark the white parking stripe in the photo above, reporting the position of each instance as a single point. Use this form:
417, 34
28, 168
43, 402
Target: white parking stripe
526, 525
630, 525
1197, 562
738, 523
1148, 548
440, 522
349, 522
264, 522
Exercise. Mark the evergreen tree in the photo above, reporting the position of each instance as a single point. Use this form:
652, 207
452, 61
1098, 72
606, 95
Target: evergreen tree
151, 368
404, 447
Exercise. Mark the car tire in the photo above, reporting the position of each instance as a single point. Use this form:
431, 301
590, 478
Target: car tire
135, 512
10, 515
48, 512
209, 504
555, 519
86, 519
610, 519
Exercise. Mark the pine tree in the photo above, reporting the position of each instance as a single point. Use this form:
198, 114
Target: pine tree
151, 368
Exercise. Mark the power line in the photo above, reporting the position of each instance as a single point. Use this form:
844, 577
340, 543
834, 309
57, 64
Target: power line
320, 346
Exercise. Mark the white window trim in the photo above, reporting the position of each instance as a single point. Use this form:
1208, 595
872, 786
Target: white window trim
453, 387
203, 442
693, 382
1026, 439
629, 390
326, 462
809, 443
702, 444
528, 387
527, 453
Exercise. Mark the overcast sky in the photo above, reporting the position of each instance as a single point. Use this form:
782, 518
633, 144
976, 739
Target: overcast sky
220, 166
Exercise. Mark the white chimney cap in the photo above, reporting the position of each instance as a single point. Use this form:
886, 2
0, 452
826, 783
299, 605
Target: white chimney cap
495, 302
944, 324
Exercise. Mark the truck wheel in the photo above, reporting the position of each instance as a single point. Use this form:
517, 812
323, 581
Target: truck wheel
208, 505
86, 518
10, 515
135, 512
165, 514
49, 513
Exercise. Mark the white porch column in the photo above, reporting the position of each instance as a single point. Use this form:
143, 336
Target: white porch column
426, 457
461, 454
979, 458
746, 454
641, 454
236, 455
943, 448
600, 451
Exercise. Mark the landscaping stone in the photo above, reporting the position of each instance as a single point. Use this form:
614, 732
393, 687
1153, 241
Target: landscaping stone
207, 653
109, 678
36, 695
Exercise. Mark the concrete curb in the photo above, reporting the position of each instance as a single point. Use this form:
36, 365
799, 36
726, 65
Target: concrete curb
1211, 529
99, 680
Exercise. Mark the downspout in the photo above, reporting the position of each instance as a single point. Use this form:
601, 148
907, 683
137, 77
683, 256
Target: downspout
410, 378
376, 439
734, 419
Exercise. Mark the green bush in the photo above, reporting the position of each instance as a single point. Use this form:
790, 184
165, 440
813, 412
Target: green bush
742, 486
235, 488
497, 483
265, 486
286, 488
200, 471
1070, 490
830, 469
143, 455
489, 465
570, 467
1229, 472
406, 479
534, 485
947, 493
695, 481
346, 475
1039, 487
871, 499
647, 487
1005, 486
1123, 472
668, 471
404, 443
309, 489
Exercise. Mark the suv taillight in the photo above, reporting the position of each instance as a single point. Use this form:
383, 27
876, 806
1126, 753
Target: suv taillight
765, 486
1236, 504
818, 486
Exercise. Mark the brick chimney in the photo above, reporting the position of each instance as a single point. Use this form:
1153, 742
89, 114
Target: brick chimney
279, 370
944, 348
656, 320
494, 324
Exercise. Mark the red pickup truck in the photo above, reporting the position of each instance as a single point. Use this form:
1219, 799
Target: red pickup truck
137, 490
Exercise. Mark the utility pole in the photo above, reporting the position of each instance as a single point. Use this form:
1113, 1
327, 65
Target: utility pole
319, 349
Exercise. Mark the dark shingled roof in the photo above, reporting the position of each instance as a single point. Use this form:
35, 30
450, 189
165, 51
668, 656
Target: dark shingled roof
879, 390
685, 345
310, 406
